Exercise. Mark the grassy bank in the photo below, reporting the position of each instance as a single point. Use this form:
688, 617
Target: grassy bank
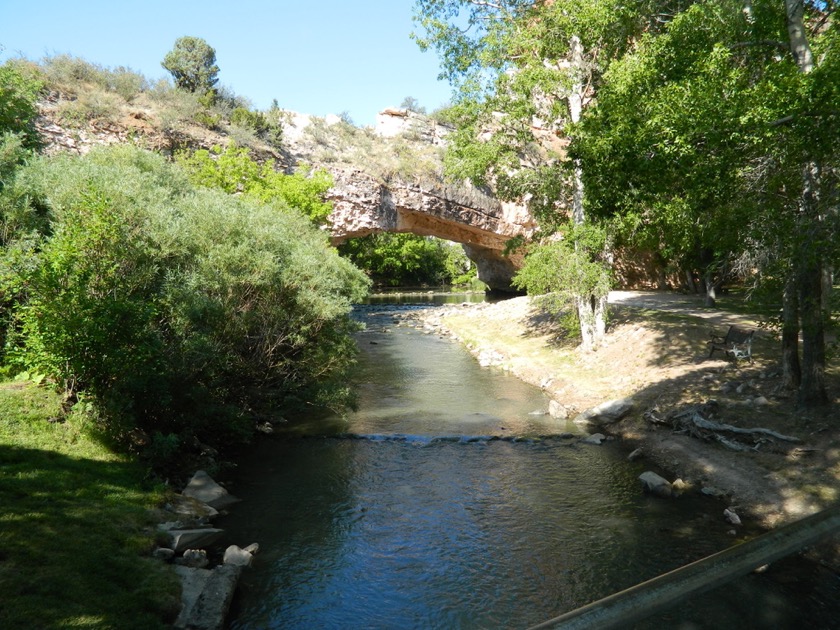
75, 525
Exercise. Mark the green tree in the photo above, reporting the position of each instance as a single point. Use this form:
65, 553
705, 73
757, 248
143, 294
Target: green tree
407, 259
524, 72
733, 151
192, 64
20, 86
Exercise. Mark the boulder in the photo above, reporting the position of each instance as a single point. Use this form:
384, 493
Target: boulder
190, 509
203, 488
206, 596
605, 413
595, 438
238, 556
556, 410
655, 484
731, 517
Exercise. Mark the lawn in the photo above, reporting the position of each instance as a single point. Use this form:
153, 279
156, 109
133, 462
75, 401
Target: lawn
76, 526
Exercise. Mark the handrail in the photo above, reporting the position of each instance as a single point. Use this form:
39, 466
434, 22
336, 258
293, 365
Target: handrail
645, 599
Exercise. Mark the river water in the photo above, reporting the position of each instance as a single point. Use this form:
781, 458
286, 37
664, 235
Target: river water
451, 500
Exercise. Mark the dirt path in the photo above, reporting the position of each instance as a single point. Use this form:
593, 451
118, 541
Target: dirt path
656, 353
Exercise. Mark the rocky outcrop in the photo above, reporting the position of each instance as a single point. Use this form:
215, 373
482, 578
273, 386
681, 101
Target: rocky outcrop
363, 202
206, 593
392, 122
363, 205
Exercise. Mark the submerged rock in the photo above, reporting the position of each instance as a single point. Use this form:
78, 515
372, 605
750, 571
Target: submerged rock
655, 484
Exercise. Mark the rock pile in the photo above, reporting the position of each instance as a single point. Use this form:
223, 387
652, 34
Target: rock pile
206, 593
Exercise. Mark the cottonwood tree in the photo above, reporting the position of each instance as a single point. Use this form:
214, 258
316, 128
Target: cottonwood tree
524, 72
733, 146
192, 64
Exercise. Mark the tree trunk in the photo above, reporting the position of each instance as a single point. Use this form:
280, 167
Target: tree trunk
809, 259
710, 295
592, 310
812, 391
791, 371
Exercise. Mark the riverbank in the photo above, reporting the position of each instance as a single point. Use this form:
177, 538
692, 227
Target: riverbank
77, 524
659, 357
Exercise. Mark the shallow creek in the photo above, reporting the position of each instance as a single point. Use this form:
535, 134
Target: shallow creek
450, 500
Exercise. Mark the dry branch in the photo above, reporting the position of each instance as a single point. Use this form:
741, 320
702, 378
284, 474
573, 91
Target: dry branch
692, 421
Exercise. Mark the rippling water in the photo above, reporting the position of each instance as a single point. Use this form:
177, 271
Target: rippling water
408, 514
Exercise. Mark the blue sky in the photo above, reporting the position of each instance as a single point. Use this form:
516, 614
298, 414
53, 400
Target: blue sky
313, 56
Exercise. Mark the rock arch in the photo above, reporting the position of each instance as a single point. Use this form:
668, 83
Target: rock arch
363, 205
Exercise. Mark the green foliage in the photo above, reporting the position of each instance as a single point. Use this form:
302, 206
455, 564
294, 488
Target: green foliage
192, 64
409, 260
267, 127
233, 170
708, 166
170, 309
19, 89
561, 270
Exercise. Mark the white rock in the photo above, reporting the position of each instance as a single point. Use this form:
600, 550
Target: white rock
557, 410
238, 556
203, 488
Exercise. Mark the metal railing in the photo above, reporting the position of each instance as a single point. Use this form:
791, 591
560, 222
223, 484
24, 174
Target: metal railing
643, 600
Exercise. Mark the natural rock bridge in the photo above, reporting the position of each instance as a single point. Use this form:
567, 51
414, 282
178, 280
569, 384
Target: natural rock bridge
363, 205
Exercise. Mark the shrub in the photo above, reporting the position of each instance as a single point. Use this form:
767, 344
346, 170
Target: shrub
19, 88
126, 82
233, 170
175, 310
91, 105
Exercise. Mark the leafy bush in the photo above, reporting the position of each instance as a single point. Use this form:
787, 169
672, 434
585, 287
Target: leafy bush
233, 170
174, 310
126, 82
559, 270
92, 105
19, 88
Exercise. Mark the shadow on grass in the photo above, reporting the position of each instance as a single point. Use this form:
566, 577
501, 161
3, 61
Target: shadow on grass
74, 543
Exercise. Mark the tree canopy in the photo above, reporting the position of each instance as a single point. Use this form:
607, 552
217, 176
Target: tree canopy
706, 132
192, 64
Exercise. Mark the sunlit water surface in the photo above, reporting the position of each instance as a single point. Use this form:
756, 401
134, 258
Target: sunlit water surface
436, 506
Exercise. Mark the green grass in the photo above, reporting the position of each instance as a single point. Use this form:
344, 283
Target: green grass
75, 525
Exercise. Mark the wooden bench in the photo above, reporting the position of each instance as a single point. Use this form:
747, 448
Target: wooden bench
736, 344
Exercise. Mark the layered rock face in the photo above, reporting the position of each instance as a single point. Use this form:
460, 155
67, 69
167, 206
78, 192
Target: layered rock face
482, 224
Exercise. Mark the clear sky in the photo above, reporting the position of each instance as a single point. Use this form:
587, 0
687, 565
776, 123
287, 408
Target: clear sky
313, 56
